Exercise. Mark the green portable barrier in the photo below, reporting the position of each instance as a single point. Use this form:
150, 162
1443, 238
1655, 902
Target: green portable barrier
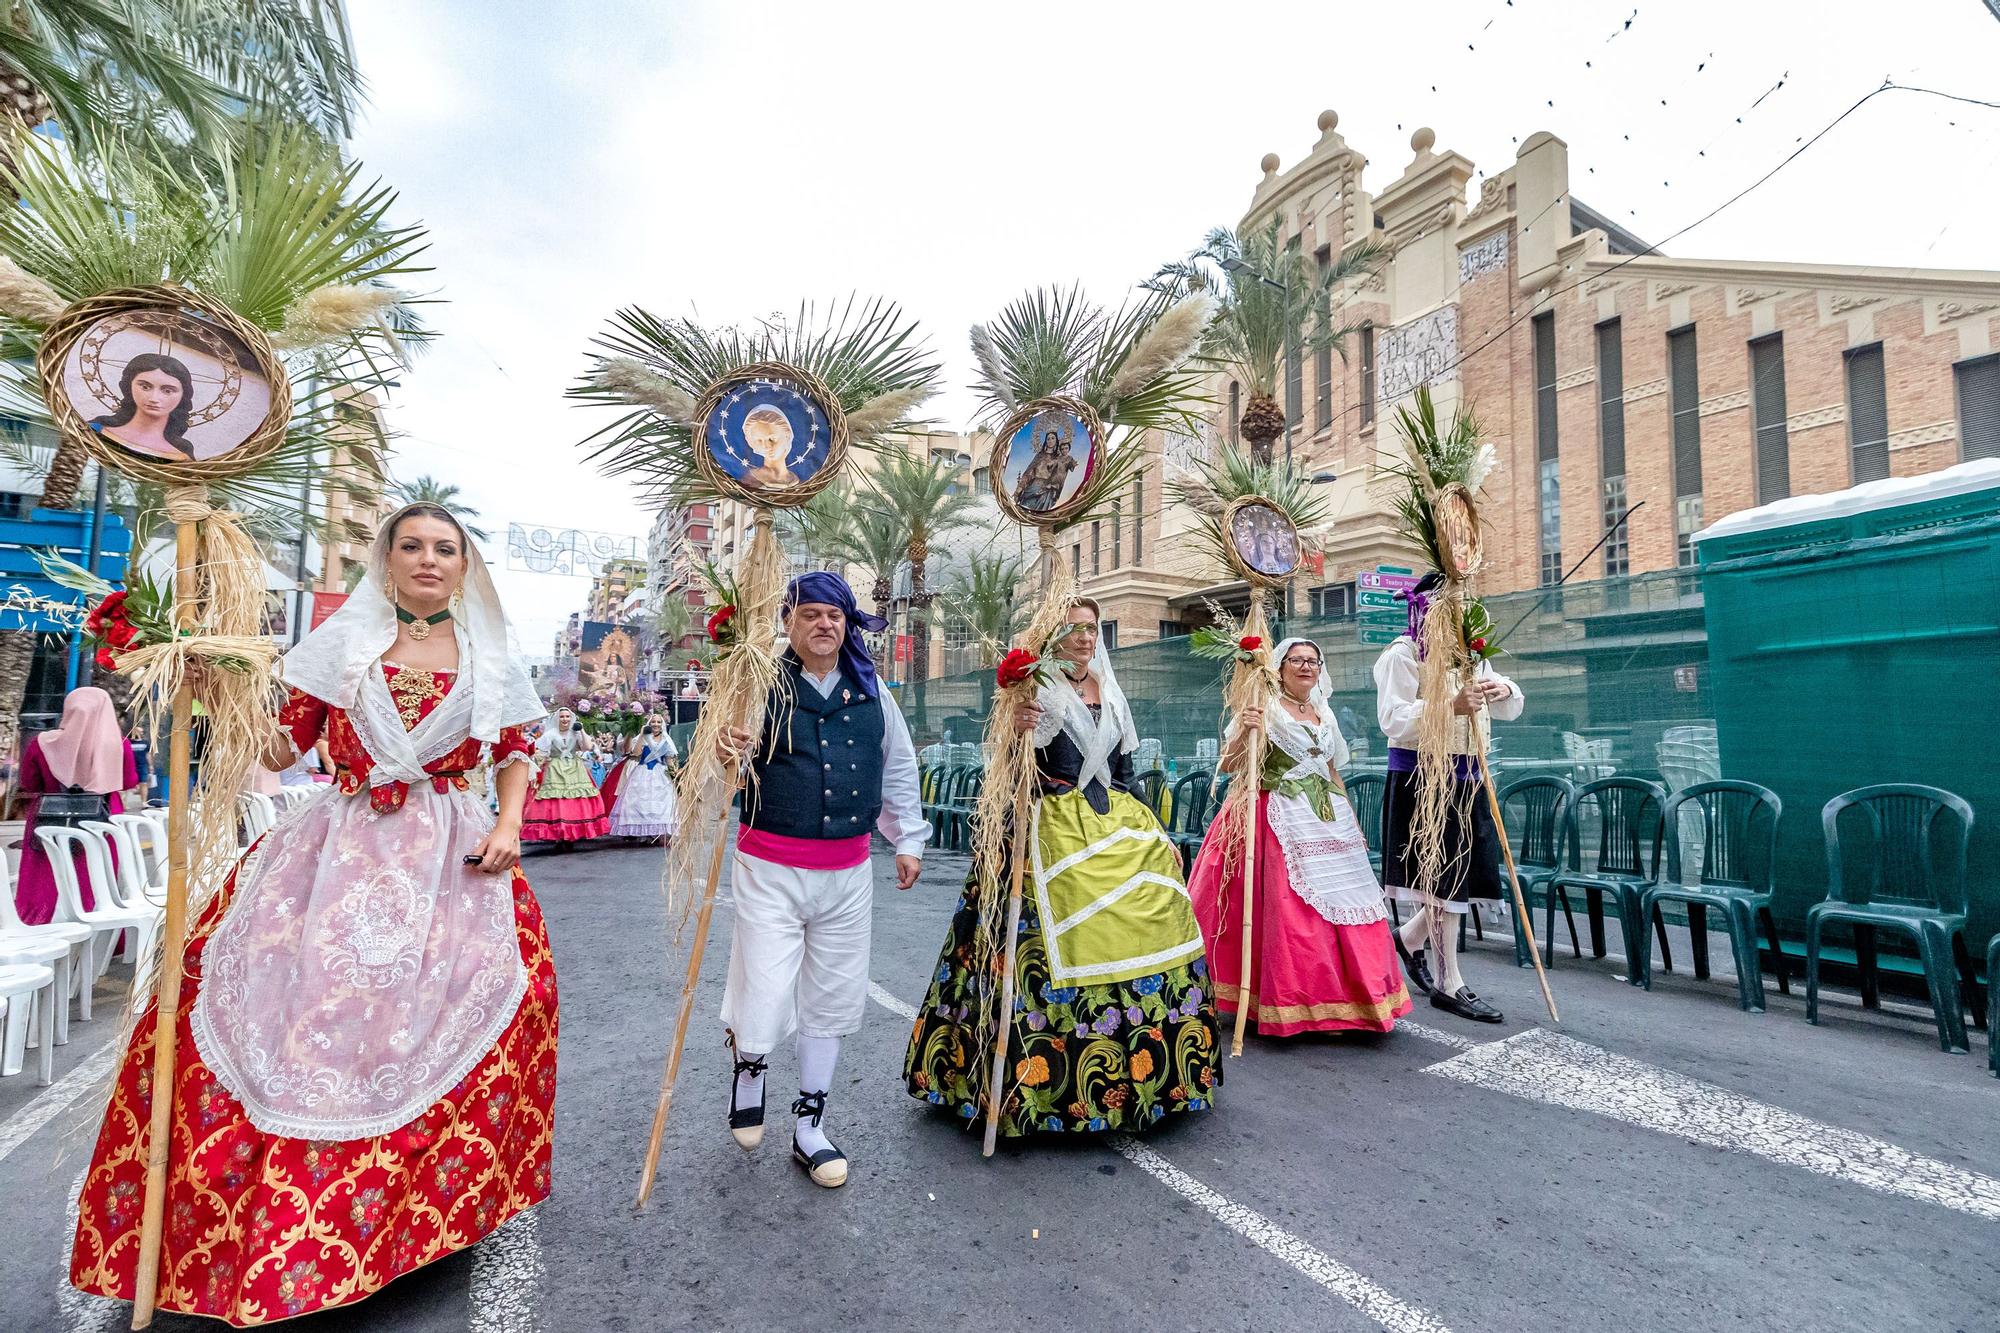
1862, 646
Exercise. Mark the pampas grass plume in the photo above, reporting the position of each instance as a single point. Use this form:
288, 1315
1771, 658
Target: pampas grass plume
628, 379
885, 412
25, 297
328, 314
1164, 346
988, 357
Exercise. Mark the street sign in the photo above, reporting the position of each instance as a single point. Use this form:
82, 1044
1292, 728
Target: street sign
1376, 615
1370, 634
1373, 597
1385, 580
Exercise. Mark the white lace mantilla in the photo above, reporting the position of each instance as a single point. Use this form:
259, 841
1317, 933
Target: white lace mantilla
361, 970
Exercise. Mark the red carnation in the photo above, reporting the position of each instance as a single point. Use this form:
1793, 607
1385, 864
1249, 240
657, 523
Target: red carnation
719, 622
119, 633
1478, 645
106, 660
1249, 643
1017, 667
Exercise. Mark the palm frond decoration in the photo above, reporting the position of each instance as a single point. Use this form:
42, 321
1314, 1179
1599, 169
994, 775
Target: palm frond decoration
1211, 486
175, 77
1274, 302
1130, 367
867, 353
1432, 459
294, 233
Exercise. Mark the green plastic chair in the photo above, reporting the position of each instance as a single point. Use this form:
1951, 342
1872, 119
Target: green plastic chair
958, 817
1626, 862
1993, 1006
1364, 793
1536, 810
1190, 813
939, 805
1150, 788
1739, 842
1915, 886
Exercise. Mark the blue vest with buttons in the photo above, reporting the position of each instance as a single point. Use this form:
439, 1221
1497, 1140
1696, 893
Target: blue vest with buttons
819, 770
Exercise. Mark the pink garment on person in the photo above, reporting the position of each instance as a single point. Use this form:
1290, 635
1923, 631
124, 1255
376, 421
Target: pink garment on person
803, 853
85, 750
35, 885
1308, 974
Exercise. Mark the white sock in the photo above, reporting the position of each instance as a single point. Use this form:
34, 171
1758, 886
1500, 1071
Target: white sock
1448, 974
817, 1057
1412, 932
749, 1087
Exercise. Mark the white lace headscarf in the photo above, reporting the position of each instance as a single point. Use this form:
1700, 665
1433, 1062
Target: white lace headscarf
1099, 738
332, 660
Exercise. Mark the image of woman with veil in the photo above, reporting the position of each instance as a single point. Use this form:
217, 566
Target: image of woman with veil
1113, 1026
1322, 958
365, 1077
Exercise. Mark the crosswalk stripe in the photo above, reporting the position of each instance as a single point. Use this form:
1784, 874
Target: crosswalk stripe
1550, 1068
1379, 1304
85, 1078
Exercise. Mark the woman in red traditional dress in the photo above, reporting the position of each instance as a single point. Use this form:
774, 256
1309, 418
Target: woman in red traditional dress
366, 1065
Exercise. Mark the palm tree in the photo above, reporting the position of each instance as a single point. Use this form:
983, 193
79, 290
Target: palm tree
922, 498
984, 595
429, 490
1275, 303
152, 75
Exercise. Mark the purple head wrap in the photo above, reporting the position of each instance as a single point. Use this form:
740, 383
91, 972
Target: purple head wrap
1419, 603
829, 589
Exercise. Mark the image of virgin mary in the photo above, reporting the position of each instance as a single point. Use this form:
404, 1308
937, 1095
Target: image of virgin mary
155, 399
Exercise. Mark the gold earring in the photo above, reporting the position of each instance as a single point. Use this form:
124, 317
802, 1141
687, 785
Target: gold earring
457, 598
389, 588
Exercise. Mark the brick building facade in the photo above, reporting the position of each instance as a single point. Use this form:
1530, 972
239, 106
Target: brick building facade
1605, 375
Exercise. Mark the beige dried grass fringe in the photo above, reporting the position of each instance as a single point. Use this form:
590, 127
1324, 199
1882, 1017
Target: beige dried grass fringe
1011, 779
1251, 685
1440, 796
238, 694
739, 692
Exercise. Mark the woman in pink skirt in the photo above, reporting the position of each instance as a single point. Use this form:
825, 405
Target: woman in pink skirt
1322, 959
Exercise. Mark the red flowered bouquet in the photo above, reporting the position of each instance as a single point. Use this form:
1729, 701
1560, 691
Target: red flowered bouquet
1479, 637
1222, 643
1020, 667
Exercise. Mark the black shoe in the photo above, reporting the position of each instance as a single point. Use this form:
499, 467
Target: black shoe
1415, 967
1466, 1005
746, 1124
828, 1166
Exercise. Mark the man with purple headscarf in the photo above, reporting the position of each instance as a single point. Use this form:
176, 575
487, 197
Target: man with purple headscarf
1472, 840
835, 762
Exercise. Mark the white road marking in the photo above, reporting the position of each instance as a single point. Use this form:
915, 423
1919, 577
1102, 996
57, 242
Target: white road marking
25, 1123
1438, 1035
82, 1312
507, 1277
1382, 1306
1556, 1070
890, 1002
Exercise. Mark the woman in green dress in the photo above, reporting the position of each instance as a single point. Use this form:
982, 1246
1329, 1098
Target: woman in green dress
1113, 1027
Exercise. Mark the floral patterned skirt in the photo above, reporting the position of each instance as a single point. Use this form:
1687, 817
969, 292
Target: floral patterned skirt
260, 1227
1084, 1059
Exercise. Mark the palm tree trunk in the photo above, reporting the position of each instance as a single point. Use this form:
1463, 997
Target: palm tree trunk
63, 487
17, 663
1262, 423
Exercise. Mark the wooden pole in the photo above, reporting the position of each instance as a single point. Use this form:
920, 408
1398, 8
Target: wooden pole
673, 1069
1513, 872
167, 992
1021, 833
1253, 774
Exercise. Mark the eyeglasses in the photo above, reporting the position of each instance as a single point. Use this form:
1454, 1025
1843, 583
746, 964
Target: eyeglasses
1302, 661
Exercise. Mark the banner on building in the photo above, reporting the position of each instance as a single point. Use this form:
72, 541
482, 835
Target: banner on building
610, 658
536, 549
324, 605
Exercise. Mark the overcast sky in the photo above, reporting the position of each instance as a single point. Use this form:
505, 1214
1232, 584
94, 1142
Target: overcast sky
729, 159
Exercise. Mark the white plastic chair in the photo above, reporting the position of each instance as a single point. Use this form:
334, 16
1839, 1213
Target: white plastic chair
256, 814
149, 835
128, 866
106, 920
30, 991
72, 938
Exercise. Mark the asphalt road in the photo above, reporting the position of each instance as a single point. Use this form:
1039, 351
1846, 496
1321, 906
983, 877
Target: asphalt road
1659, 1162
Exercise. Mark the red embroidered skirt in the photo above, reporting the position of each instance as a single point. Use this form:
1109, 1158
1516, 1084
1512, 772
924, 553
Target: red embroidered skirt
261, 1228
